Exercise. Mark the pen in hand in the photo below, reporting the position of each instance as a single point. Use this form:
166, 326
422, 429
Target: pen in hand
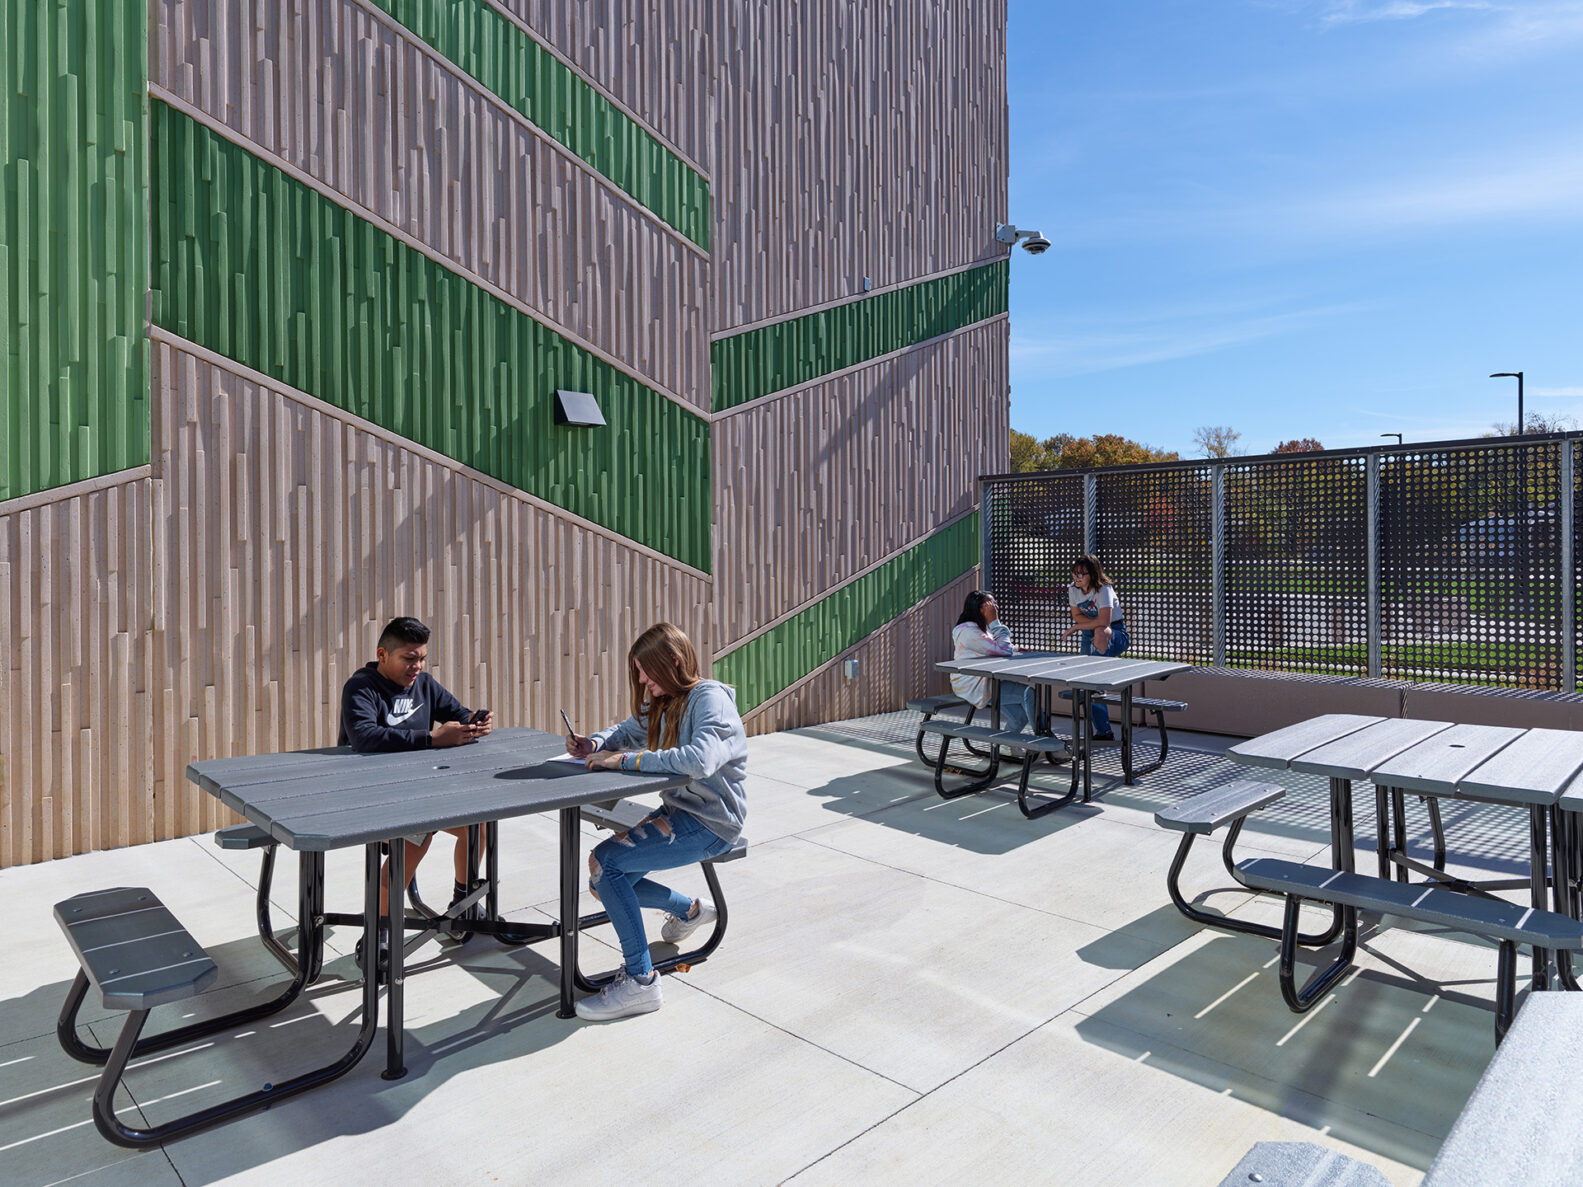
576, 746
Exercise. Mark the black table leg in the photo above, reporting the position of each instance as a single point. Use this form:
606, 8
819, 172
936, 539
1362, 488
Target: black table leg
492, 870
571, 858
1081, 706
1382, 832
1538, 883
395, 1020
1126, 736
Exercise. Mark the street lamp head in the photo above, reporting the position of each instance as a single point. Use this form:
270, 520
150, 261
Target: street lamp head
1507, 375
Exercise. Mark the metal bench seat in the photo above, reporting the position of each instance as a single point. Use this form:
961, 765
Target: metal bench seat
1159, 706
1201, 815
623, 816
929, 706
1507, 923
131, 949
1031, 746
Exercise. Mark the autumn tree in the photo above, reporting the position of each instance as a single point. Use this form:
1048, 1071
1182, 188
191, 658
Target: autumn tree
1217, 440
1298, 445
1534, 422
1067, 452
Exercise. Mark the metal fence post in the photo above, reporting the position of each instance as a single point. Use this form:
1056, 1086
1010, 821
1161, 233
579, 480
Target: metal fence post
1371, 517
1091, 513
1567, 500
1217, 564
985, 538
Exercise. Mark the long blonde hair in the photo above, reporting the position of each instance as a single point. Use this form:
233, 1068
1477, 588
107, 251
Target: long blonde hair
668, 659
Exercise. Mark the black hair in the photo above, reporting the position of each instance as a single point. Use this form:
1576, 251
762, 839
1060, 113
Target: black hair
403, 630
973, 608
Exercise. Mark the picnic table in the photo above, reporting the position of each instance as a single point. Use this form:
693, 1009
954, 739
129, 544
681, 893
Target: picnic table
1085, 677
1528, 769
132, 950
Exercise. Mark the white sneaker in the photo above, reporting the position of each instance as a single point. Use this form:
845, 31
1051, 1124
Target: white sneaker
678, 927
622, 998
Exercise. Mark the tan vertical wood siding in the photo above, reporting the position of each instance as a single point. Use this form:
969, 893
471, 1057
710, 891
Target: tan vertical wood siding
75, 681
822, 483
894, 663
329, 88
650, 56
855, 140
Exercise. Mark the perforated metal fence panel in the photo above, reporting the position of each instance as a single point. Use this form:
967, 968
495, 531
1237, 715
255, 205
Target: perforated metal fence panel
1036, 532
1296, 584
1153, 535
1469, 566
1469, 573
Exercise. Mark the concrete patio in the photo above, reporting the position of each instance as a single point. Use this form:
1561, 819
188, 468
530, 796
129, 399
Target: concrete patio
910, 991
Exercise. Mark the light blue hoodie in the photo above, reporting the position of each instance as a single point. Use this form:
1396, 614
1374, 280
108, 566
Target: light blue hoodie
712, 748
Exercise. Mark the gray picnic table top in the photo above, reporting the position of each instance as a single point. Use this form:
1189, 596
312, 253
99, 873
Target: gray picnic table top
316, 800
1499, 764
1092, 673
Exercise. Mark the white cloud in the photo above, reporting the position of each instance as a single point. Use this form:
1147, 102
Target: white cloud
1344, 12
1057, 347
1558, 391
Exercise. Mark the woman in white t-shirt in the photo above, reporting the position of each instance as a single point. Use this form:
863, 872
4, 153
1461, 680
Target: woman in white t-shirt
1096, 613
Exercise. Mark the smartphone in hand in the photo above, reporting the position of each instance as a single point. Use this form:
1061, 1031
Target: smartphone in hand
479, 717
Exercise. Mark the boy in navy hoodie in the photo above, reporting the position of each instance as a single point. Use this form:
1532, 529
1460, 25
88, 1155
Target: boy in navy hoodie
393, 704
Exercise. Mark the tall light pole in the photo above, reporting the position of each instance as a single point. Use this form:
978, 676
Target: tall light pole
1398, 436
1518, 376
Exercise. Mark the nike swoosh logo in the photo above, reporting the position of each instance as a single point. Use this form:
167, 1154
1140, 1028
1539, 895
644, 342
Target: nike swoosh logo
392, 719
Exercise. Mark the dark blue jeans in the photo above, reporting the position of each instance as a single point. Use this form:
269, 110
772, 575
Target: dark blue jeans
1119, 642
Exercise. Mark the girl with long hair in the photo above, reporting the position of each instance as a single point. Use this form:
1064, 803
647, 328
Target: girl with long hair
980, 632
686, 725
1096, 614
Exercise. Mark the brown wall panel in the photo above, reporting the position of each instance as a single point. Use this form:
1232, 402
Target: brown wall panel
76, 758
330, 88
287, 535
854, 140
816, 486
651, 56
895, 664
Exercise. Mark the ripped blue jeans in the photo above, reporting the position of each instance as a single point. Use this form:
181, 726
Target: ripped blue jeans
617, 869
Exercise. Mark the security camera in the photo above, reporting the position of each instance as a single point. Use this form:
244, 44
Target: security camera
1032, 242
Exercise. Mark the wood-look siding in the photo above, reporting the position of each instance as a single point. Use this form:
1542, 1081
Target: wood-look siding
75, 678
894, 664
333, 90
819, 484
216, 606
854, 140
650, 56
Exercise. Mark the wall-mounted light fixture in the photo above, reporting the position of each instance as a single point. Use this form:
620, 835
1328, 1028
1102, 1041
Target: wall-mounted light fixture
1034, 243
577, 408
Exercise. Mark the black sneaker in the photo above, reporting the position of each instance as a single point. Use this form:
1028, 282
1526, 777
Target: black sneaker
1110, 738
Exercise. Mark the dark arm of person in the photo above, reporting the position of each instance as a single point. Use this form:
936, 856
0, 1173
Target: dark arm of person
360, 714
443, 706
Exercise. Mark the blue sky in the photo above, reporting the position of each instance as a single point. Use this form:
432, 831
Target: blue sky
1299, 218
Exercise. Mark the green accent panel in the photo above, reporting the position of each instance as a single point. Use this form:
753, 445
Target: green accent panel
757, 362
527, 77
782, 656
73, 241
262, 269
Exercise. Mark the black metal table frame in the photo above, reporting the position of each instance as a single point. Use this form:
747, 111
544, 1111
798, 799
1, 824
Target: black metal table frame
306, 963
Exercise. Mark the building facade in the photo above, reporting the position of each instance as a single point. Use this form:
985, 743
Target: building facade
289, 287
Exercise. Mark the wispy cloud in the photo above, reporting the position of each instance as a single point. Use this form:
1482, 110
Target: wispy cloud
1346, 12
1059, 347
1558, 391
